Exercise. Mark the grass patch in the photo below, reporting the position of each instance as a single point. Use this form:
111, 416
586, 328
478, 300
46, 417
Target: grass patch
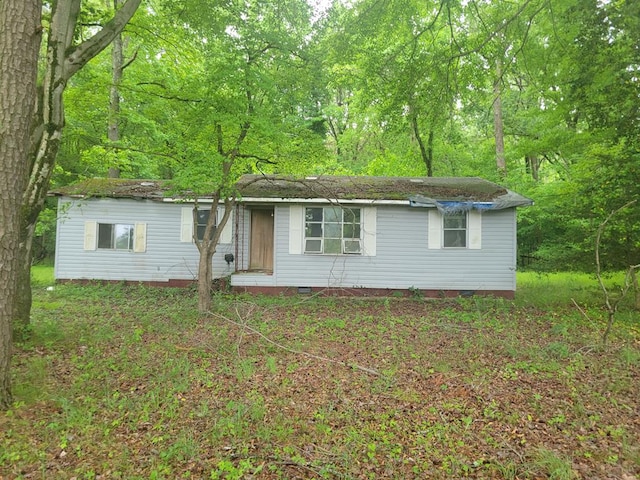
129, 382
548, 290
42, 275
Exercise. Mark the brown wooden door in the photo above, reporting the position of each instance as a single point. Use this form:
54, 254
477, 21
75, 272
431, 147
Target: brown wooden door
261, 253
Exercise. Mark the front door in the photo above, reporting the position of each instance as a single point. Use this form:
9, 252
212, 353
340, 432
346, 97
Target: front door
261, 253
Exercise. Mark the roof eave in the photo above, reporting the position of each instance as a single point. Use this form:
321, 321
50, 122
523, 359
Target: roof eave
263, 200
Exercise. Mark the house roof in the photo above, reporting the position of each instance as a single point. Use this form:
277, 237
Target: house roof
114, 188
420, 191
369, 188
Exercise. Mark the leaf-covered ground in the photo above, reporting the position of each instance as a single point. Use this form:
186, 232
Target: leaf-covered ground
129, 382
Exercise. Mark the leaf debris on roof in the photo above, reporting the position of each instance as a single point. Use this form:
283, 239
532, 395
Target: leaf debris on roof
369, 188
323, 187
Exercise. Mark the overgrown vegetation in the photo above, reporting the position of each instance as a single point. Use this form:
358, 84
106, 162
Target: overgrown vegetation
129, 382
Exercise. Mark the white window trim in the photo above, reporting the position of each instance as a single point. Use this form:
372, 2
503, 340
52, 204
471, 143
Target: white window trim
369, 230
139, 237
296, 229
435, 240
434, 235
186, 226
368, 216
465, 215
474, 226
90, 235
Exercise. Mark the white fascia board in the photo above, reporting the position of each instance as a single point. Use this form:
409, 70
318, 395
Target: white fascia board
296, 200
190, 200
324, 200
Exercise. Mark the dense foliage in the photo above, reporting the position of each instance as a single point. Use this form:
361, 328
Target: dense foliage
391, 87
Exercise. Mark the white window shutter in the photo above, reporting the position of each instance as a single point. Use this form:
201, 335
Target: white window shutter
369, 231
226, 234
296, 224
434, 240
90, 235
186, 225
475, 229
140, 238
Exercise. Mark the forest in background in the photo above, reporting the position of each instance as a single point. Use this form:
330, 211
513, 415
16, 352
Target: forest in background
541, 96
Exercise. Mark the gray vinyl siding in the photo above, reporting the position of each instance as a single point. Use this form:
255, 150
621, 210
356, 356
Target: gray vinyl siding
165, 257
402, 259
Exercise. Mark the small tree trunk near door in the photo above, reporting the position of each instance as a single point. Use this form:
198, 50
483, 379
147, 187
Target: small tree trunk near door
207, 248
205, 279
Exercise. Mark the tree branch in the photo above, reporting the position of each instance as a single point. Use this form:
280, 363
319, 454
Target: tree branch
80, 55
297, 352
131, 60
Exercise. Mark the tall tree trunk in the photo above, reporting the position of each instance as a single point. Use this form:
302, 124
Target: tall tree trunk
430, 153
497, 121
22, 313
425, 153
117, 62
20, 32
532, 165
205, 280
63, 60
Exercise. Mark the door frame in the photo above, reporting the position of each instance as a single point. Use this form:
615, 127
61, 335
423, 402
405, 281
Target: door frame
264, 267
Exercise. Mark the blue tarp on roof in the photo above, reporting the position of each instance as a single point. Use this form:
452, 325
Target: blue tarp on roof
508, 200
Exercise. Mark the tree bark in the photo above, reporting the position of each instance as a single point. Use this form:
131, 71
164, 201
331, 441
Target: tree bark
532, 163
22, 313
497, 121
205, 279
207, 248
117, 63
20, 36
63, 60
425, 153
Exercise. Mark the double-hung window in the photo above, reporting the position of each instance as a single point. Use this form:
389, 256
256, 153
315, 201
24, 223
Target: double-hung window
332, 230
115, 236
455, 230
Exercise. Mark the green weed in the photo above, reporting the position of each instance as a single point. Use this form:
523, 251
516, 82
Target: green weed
129, 382
553, 465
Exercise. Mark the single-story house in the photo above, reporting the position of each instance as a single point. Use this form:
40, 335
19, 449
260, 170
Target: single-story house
339, 234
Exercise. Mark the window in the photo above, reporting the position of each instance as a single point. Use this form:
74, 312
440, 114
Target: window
332, 230
201, 224
115, 236
455, 230
187, 225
